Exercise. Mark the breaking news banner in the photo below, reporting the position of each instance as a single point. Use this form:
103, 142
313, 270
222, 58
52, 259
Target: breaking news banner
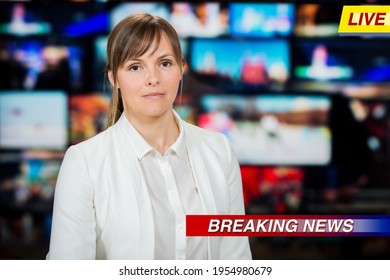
365, 20
288, 225
229, 226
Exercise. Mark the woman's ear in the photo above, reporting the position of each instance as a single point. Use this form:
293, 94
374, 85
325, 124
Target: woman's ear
111, 78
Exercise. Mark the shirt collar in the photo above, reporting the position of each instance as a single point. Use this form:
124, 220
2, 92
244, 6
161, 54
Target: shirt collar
142, 148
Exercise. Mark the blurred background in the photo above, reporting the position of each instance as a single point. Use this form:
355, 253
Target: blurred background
307, 111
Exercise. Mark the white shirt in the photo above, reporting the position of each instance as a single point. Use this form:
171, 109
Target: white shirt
173, 194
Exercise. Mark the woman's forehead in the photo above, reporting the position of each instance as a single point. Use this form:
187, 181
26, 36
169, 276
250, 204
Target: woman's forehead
158, 47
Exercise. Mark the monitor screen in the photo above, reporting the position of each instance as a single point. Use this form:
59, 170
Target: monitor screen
271, 129
261, 19
323, 60
33, 119
40, 177
342, 59
185, 106
88, 116
272, 190
122, 10
360, 143
199, 19
22, 19
317, 20
230, 63
372, 117
81, 20
37, 19
99, 62
38, 64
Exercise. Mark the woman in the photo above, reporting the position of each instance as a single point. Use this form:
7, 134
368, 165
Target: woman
124, 193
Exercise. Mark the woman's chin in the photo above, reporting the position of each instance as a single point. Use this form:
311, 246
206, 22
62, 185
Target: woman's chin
157, 112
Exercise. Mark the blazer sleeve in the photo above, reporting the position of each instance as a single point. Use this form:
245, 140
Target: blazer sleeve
235, 247
73, 234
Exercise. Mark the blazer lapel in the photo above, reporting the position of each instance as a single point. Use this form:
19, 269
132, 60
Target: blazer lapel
134, 180
202, 181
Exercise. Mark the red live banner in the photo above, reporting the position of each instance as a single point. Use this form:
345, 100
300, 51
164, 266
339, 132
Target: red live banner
286, 225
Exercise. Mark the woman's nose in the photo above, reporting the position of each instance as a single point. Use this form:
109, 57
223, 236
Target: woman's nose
152, 78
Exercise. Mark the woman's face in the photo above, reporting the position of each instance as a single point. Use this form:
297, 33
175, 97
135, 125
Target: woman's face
149, 83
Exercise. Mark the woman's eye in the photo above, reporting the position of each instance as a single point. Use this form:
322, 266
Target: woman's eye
134, 68
166, 63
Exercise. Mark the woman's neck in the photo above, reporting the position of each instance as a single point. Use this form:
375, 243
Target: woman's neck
160, 132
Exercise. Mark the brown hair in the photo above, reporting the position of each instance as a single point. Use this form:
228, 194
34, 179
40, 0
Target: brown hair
132, 37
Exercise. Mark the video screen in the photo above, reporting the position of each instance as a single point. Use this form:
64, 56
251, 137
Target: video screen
199, 19
261, 19
272, 190
184, 44
123, 10
88, 116
239, 64
40, 177
360, 143
35, 19
342, 59
317, 20
185, 106
37, 64
82, 20
373, 117
100, 49
21, 19
323, 60
189, 19
271, 129
33, 119
367, 91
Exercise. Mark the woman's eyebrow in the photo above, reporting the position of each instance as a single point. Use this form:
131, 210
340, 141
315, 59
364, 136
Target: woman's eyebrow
165, 55
133, 59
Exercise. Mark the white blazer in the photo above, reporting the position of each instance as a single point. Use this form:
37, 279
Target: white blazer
102, 208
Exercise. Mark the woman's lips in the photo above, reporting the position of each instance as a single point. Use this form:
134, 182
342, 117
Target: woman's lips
154, 95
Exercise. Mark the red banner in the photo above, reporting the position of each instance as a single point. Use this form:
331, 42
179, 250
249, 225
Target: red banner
269, 225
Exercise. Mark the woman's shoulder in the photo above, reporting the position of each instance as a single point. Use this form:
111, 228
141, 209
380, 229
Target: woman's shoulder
202, 133
96, 144
212, 144
204, 137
